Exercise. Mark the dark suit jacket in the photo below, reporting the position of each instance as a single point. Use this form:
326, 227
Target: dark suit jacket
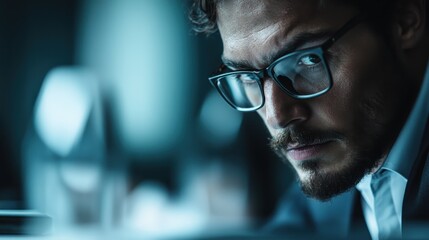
342, 216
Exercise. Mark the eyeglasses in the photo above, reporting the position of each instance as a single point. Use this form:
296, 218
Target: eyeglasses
302, 74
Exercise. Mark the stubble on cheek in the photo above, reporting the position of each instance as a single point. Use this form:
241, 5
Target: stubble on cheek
358, 154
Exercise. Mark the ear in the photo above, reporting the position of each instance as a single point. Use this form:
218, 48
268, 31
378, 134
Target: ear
410, 22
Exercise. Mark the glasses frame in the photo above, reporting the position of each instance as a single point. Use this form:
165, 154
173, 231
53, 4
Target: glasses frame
269, 71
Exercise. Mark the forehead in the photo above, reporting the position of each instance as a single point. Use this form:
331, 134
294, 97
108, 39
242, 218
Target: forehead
252, 30
251, 15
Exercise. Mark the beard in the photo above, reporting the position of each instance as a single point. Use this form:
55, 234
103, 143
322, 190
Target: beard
320, 183
374, 134
325, 185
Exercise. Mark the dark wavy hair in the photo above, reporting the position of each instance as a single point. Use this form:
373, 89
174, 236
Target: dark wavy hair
203, 16
203, 13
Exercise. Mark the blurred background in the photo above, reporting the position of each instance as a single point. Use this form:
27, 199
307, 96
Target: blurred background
108, 123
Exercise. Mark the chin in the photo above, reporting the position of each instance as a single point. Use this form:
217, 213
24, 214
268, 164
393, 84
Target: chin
323, 184
327, 176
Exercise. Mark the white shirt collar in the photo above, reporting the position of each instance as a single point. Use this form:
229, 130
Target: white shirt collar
400, 159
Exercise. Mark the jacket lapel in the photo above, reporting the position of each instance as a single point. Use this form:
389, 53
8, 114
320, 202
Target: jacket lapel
416, 199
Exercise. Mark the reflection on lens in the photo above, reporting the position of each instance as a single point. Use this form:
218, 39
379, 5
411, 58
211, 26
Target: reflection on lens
241, 90
302, 74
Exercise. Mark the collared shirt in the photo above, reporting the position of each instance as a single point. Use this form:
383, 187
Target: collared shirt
399, 161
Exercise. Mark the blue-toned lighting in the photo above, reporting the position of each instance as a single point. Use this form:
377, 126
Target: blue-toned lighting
142, 51
220, 122
62, 108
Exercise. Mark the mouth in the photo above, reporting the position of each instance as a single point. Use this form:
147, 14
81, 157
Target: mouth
301, 152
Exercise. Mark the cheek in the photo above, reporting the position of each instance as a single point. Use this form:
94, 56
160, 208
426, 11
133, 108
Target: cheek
357, 77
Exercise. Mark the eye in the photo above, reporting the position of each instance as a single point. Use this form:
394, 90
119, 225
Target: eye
309, 60
247, 77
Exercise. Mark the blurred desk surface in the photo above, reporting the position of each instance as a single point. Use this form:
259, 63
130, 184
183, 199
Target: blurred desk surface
419, 231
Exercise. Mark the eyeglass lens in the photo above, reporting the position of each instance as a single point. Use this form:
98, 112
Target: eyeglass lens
241, 90
300, 74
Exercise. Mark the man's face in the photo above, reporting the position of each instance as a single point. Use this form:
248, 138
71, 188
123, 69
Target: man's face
332, 140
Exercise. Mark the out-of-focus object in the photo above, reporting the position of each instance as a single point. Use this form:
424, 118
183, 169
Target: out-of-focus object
62, 108
24, 222
65, 153
144, 52
219, 123
154, 214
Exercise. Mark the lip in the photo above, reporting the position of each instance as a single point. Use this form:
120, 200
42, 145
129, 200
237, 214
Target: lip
306, 151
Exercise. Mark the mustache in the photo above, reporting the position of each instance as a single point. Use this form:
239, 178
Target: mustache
301, 136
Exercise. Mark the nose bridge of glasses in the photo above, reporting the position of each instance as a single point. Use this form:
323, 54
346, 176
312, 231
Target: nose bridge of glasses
262, 74
273, 89
267, 75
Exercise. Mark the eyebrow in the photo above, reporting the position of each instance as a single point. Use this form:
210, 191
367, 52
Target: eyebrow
297, 41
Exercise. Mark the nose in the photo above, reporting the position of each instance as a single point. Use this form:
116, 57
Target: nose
281, 109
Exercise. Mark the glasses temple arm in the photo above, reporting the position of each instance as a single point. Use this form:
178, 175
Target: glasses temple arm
351, 23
